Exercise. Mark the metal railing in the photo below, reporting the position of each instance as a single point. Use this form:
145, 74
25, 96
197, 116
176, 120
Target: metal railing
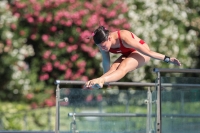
158, 71
157, 84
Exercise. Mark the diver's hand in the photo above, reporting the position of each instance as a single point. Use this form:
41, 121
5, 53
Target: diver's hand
175, 61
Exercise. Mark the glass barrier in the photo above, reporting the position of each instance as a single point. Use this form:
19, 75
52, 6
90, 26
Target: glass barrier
170, 105
180, 105
113, 109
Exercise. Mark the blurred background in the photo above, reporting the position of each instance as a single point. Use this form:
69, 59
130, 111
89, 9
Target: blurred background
45, 40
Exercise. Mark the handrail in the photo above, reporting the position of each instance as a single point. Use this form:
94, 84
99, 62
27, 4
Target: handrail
166, 70
106, 115
129, 115
128, 84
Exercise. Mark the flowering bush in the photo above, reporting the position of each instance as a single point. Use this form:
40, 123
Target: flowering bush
165, 26
57, 30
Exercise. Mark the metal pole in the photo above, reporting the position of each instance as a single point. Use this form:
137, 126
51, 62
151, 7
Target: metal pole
159, 117
57, 123
149, 110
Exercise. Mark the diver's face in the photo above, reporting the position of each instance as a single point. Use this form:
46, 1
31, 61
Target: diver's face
105, 45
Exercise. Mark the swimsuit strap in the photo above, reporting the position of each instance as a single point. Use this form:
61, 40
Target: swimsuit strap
118, 32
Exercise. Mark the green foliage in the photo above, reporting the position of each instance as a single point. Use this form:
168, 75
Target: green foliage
19, 116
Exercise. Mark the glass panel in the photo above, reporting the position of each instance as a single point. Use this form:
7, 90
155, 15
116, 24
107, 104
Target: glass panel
180, 106
109, 100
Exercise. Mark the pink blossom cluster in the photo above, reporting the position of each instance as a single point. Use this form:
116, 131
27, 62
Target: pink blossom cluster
29, 96
47, 67
72, 48
48, 55
92, 52
49, 102
44, 77
60, 66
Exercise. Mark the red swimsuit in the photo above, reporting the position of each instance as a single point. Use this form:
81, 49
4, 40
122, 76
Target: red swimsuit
123, 50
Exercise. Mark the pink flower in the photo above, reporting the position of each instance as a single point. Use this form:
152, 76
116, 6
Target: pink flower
47, 54
33, 36
47, 67
78, 29
71, 1
112, 14
30, 19
104, 11
22, 33
20, 5
93, 20
89, 5
68, 23
49, 102
57, 64
88, 49
29, 96
44, 77
69, 64
71, 39
99, 97
40, 19
68, 73
34, 105
32, 1
13, 26
61, 44
84, 78
53, 28
81, 70
75, 16
72, 48
36, 14
51, 44
93, 53
81, 64
37, 7
9, 42
49, 18
83, 12
85, 34
47, 4
89, 98
126, 26
45, 37
116, 22
74, 57
17, 15
53, 57
62, 67
78, 22
66, 14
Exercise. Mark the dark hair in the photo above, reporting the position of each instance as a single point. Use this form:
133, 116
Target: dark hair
100, 35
